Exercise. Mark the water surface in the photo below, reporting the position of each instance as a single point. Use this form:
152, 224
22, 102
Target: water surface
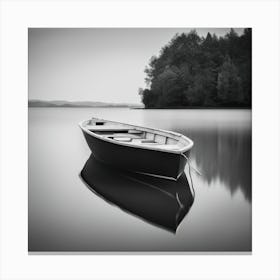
64, 215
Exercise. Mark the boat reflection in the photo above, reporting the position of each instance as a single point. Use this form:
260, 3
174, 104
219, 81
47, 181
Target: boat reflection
159, 201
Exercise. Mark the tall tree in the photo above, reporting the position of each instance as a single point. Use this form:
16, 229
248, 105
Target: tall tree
229, 84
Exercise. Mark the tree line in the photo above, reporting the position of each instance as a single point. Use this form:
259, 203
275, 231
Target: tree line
193, 71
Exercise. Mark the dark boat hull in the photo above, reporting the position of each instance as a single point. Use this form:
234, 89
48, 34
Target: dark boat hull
140, 160
161, 202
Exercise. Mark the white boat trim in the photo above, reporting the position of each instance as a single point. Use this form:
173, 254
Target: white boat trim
128, 144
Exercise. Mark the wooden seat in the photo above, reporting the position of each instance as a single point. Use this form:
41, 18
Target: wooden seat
132, 136
149, 141
122, 139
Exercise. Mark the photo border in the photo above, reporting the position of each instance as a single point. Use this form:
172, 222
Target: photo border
17, 16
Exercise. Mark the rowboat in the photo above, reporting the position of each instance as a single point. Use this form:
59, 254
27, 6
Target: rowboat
150, 151
160, 202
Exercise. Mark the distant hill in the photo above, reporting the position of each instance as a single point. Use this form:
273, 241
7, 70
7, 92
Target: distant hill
78, 104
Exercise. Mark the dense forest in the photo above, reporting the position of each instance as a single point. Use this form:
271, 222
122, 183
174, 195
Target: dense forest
193, 71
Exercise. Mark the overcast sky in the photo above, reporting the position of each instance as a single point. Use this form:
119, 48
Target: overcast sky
95, 64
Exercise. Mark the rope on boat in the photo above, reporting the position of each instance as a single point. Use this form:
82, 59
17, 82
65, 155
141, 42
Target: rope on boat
190, 173
193, 168
191, 180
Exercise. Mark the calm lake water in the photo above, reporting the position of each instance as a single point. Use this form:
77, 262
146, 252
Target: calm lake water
65, 215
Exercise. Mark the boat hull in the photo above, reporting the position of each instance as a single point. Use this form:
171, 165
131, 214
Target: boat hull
140, 160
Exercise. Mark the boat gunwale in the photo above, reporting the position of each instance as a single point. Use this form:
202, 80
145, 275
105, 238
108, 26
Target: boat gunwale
129, 144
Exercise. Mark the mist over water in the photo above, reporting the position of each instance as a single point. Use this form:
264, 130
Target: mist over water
64, 215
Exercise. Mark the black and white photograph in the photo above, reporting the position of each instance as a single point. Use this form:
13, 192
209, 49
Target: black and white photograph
140, 140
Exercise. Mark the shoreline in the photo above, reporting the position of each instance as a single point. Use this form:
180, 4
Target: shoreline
196, 108
140, 108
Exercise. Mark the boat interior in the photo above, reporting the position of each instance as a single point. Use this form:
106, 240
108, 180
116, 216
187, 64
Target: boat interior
135, 135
